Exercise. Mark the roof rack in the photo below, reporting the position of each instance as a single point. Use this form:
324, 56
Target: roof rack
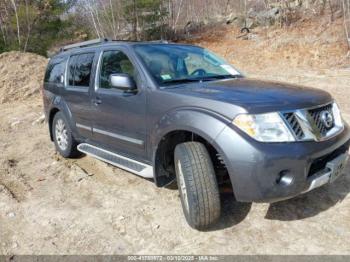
162, 41
100, 41
85, 44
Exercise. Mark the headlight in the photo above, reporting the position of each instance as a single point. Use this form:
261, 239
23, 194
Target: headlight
264, 127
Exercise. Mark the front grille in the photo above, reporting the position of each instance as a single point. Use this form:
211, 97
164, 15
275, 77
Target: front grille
294, 125
315, 123
316, 116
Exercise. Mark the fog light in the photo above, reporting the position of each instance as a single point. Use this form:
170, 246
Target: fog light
285, 178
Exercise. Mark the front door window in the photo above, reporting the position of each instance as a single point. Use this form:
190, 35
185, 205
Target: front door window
114, 62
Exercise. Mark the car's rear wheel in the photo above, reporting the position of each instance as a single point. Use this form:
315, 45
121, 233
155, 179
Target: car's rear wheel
64, 141
197, 184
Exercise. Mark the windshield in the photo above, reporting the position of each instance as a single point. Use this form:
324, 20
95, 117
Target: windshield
171, 64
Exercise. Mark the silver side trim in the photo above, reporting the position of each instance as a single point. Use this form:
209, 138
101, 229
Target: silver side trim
121, 137
146, 172
84, 127
103, 132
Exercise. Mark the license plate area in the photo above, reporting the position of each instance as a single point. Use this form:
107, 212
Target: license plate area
337, 166
330, 173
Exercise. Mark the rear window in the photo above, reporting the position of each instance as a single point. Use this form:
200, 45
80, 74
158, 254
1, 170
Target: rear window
55, 71
79, 69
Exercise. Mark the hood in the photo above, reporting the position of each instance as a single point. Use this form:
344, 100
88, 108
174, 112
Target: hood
255, 95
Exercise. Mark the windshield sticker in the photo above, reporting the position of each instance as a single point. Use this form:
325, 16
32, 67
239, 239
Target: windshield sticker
166, 77
230, 70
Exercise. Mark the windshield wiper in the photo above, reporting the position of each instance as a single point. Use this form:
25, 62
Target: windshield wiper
215, 77
198, 79
181, 80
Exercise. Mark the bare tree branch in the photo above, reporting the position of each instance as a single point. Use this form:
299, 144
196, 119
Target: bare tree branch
346, 17
17, 24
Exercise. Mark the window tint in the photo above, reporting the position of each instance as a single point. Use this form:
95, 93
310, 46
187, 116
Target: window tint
79, 69
114, 62
55, 71
195, 62
169, 63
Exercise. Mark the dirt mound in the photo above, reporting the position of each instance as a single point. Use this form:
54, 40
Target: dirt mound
21, 75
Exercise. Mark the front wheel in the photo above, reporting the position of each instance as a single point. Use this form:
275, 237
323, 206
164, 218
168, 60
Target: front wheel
197, 185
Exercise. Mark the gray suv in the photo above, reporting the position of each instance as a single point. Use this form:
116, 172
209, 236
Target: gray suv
175, 112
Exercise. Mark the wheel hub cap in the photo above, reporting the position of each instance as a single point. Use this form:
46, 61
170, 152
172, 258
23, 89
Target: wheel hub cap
61, 134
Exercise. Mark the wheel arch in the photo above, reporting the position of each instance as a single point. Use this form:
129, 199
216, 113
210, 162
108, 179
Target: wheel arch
178, 127
59, 105
52, 114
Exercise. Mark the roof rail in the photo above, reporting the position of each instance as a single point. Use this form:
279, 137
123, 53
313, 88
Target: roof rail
85, 44
162, 41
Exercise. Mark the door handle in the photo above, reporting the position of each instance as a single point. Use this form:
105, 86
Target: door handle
97, 101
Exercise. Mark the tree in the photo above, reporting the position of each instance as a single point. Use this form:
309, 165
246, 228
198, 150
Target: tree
14, 5
346, 16
147, 18
32, 25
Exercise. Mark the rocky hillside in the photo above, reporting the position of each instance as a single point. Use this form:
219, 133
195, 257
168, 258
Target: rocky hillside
310, 44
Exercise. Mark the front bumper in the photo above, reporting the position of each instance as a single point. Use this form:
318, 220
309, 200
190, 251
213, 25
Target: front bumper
255, 167
329, 173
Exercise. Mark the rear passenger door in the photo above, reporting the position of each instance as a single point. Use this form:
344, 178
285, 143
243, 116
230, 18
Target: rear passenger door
79, 78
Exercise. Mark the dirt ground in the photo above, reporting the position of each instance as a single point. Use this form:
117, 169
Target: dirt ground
50, 205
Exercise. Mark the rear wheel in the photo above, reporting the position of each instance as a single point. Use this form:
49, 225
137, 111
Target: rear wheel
64, 141
197, 185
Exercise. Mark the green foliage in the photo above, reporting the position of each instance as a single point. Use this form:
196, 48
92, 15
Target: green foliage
147, 18
2, 46
41, 24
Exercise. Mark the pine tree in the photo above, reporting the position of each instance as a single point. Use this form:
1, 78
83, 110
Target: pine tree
146, 18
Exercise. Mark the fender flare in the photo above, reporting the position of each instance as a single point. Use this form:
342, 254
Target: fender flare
204, 123
58, 104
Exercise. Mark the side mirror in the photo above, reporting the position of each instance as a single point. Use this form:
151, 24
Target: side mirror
123, 82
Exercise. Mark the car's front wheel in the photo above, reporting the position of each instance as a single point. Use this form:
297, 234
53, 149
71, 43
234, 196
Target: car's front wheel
64, 141
197, 184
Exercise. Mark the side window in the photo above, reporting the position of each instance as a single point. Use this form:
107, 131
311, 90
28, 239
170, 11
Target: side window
71, 69
79, 69
55, 71
114, 62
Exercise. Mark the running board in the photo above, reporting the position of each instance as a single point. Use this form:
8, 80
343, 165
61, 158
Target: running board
114, 159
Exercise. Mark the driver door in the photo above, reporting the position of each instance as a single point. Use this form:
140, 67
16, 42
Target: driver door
119, 117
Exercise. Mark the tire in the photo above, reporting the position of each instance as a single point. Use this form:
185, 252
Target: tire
197, 185
245, 30
64, 141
